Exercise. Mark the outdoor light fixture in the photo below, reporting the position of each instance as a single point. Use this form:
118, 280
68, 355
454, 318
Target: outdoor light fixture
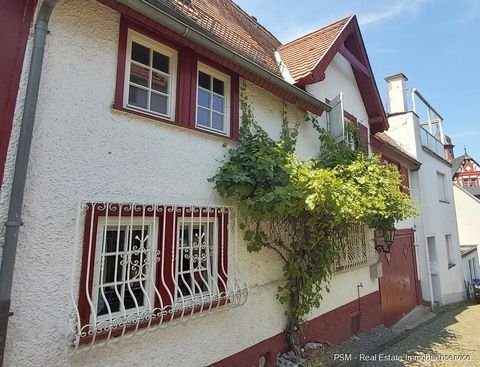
388, 238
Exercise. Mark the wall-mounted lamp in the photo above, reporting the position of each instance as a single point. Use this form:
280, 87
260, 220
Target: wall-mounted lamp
388, 238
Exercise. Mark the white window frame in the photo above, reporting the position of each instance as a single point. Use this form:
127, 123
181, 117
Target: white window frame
188, 221
117, 222
227, 98
136, 37
442, 187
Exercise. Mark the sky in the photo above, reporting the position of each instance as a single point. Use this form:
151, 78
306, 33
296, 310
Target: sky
435, 43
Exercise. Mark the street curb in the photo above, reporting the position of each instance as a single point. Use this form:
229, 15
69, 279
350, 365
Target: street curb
393, 341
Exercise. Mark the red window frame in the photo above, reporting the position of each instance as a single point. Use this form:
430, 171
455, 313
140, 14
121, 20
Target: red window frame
405, 185
186, 83
362, 131
171, 216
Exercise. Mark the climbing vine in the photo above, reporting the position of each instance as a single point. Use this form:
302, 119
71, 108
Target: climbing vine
303, 210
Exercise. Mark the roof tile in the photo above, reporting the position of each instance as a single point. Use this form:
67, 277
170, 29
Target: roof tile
302, 54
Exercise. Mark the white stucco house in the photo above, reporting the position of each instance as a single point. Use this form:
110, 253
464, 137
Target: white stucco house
125, 252
418, 127
467, 208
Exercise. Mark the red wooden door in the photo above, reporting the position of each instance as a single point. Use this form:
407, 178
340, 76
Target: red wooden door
398, 285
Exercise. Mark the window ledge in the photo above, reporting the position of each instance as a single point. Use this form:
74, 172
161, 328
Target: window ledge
131, 111
444, 201
451, 266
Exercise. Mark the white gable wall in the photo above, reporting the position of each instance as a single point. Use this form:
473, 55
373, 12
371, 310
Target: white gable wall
339, 78
467, 209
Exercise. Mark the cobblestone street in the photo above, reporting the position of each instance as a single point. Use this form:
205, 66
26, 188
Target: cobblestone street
451, 339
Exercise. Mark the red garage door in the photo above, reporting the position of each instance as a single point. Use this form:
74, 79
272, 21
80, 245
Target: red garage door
398, 287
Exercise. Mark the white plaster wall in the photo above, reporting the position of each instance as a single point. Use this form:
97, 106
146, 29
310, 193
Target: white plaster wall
339, 78
6, 186
467, 208
436, 218
82, 150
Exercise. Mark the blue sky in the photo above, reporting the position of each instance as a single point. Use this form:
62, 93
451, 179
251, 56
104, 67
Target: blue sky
435, 43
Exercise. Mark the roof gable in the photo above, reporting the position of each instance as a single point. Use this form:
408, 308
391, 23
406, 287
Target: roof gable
459, 164
308, 57
302, 55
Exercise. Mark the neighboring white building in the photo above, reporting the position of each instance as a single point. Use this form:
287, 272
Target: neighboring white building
467, 209
124, 240
438, 250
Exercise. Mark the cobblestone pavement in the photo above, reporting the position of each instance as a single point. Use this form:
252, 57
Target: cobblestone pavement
450, 339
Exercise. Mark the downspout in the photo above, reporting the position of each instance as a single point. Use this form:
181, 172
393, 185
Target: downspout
14, 219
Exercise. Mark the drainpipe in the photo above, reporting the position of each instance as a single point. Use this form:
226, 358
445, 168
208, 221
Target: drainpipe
14, 219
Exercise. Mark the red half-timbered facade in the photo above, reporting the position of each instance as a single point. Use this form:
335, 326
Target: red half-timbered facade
466, 174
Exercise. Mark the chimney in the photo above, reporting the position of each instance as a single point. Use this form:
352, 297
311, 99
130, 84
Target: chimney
448, 147
397, 93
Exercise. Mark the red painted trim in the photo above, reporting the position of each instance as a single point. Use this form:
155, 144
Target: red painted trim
353, 60
350, 42
170, 217
230, 65
185, 106
333, 327
15, 21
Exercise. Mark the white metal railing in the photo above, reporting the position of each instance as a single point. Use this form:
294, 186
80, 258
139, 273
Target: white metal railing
431, 142
358, 251
431, 124
146, 266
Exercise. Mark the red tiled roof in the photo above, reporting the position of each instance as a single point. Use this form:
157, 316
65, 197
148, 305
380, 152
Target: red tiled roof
229, 24
302, 55
385, 139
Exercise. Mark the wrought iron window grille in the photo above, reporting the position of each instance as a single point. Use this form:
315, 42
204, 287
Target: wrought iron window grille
357, 250
149, 266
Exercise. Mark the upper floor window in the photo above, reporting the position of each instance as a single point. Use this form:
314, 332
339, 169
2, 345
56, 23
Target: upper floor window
213, 100
442, 187
162, 79
150, 76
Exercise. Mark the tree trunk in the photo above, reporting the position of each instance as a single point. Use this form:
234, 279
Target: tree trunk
293, 333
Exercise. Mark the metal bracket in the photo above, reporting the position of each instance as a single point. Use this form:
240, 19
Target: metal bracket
13, 224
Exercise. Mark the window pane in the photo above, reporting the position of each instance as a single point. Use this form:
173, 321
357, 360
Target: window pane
161, 62
218, 86
203, 98
159, 103
218, 103
111, 298
111, 238
217, 121
139, 75
203, 117
204, 80
109, 268
140, 53
160, 82
133, 292
137, 97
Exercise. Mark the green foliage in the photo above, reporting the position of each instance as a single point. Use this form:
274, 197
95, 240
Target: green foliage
303, 209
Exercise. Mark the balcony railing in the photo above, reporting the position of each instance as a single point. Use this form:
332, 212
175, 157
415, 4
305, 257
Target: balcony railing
431, 142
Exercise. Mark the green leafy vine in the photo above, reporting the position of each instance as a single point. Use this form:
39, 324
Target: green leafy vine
303, 210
